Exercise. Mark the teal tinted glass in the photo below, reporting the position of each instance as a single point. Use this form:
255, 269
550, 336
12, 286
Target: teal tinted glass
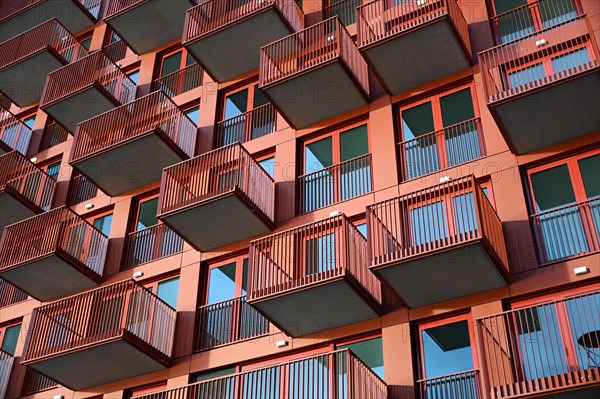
167, 291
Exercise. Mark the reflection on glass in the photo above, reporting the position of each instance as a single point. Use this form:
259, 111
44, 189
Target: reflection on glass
584, 320
369, 351
11, 338
269, 166
526, 75
570, 60
168, 290
320, 254
103, 224
318, 155
221, 283
447, 349
236, 103
428, 223
147, 214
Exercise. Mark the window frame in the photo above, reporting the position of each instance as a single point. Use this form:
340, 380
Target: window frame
251, 87
239, 273
152, 285
91, 218
166, 54
5, 326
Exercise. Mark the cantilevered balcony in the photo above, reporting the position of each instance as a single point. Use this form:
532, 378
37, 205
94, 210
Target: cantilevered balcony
181, 81
218, 198
117, 331
85, 89
9, 294
338, 374
413, 42
17, 16
313, 277
6, 364
54, 254
147, 24
128, 147
548, 350
152, 243
422, 240
543, 88
25, 190
27, 60
14, 134
247, 126
314, 74
226, 36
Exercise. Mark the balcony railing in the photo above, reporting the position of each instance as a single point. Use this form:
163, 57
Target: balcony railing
14, 134
338, 374
532, 17
179, 82
542, 348
451, 146
211, 15
345, 10
335, 183
36, 382
568, 231
433, 219
54, 134
215, 173
538, 59
381, 19
23, 179
5, 102
9, 8
96, 68
116, 51
10, 295
310, 48
150, 244
229, 321
6, 363
81, 189
59, 230
154, 111
250, 125
332, 248
51, 34
463, 385
128, 311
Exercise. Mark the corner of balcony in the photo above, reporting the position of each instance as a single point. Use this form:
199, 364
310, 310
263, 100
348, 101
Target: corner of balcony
84, 89
17, 17
214, 30
147, 24
14, 134
438, 243
25, 190
128, 147
118, 331
313, 277
314, 74
218, 198
28, 58
53, 254
414, 42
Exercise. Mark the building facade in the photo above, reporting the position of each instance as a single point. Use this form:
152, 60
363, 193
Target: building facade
299, 199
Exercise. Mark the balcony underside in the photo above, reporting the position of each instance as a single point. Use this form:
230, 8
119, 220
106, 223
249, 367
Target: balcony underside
14, 208
316, 95
216, 222
130, 165
51, 277
150, 24
23, 81
552, 115
325, 306
67, 12
104, 363
442, 276
224, 56
416, 57
80, 106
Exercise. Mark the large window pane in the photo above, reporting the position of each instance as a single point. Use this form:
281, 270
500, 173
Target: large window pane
318, 155
11, 338
369, 351
417, 121
147, 214
221, 283
447, 349
259, 98
429, 223
236, 103
554, 12
421, 155
457, 107
590, 173
354, 143
168, 290
320, 254
103, 224
552, 188
171, 63
526, 75
570, 60
585, 328
268, 165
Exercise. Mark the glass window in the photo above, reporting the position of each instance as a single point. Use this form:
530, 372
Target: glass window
570, 60
417, 121
10, 338
590, 174
221, 283
103, 223
147, 214
236, 104
171, 63
446, 349
168, 290
362, 228
457, 107
209, 375
354, 143
318, 155
87, 42
54, 170
194, 114
526, 75
134, 76
29, 121
320, 254
268, 164
369, 351
552, 188
429, 223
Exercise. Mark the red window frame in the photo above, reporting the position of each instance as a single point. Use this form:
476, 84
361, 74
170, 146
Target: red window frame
251, 87
7, 325
239, 272
100, 214
166, 54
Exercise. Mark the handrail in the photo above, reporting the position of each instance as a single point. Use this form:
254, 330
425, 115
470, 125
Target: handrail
178, 82
257, 122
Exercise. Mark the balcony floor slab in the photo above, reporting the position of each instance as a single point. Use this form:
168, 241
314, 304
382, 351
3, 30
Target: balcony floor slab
12, 210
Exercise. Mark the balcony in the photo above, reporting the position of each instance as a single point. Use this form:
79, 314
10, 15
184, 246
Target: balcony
14, 134
336, 183
337, 374
127, 147
17, 16
550, 348
228, 322
414, 42
315, 74
27, 59
54, 134
313, 278
543, 88
81, 189
345, 10
6, 363
464, 385
247, 126
116, 51
35, 382
25, 190
9, 294
85, 89
53, 254
213, 30
117, 331
422, 240
225, 189
151, 244
147, 24
181, 81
